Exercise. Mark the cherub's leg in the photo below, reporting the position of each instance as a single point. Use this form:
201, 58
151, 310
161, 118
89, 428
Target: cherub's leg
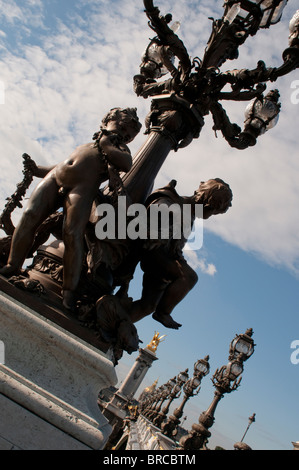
152, 291
160, 271
78, 206
174, 294
43, 202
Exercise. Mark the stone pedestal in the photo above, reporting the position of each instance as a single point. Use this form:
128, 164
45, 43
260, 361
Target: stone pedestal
118, 404
117, 409
49, 384
137, 373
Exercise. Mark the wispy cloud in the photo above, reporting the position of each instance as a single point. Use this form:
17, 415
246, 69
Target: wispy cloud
196, 261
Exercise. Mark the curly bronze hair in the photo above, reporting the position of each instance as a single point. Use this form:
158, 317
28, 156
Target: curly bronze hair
216, 193
126, 115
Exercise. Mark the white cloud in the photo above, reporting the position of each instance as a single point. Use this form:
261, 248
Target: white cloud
10, 11
26, 13
196, 261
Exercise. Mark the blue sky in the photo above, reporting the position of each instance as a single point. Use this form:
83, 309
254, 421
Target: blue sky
64, 64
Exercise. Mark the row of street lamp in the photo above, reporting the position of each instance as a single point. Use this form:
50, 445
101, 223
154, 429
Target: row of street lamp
225, 380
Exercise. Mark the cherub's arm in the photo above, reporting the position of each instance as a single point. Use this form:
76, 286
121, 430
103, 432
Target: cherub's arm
37, 170
42, 171
119, 156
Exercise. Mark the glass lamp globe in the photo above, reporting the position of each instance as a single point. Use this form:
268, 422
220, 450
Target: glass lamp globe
233, 370
236, 369
242, 345
272, 10
152, 60
202, 366
183, 376
195, 382
294, 30
269, 12
263, 114
172, 383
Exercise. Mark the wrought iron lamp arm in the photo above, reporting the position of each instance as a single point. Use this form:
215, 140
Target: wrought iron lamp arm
167, 37
230, 131
246, 78
261, 114
245, 95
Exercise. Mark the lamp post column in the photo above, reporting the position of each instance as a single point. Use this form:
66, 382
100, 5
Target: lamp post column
225, 380
191, 389
152, 415
251, 420
175, 393
171, 124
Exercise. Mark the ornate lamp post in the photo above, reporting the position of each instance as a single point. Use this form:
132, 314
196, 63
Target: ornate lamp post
147, 402
195, 87
242, 445
191, 389
175, 393
163, 397
153, 401
251, 420
225, 380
